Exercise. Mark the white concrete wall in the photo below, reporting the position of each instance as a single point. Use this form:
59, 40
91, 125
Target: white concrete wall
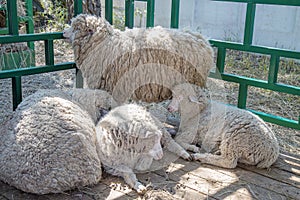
275, 26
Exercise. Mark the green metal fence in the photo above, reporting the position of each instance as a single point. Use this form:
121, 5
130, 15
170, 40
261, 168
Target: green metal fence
275, 55
247, 46
13, 36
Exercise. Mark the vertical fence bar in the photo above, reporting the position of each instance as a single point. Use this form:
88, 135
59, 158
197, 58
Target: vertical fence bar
242, 99
175, 13
221, 59
249, 23
13, 25
150, 13
77, 10
77, 7
109, 11
129, 13
49, 52
16, 91
273, 69
13, 29
30, 23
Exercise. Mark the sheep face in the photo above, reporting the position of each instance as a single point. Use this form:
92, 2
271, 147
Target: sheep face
174, 104
84, 26
185, 94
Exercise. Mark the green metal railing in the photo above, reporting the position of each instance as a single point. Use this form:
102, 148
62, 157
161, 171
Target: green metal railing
275, 55
129, 12
14, 37
28, 19
222, 46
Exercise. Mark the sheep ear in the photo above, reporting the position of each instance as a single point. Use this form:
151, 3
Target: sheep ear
193, 99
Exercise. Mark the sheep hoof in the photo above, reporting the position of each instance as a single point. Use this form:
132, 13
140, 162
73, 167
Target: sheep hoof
187, 156
196, 156
196, 149
193, 148
141, 189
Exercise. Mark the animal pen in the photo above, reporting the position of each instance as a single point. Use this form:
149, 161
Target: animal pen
188, 180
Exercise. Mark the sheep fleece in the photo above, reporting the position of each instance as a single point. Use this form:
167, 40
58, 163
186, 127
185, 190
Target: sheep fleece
105, 54
49, 145
130, 134
227, 135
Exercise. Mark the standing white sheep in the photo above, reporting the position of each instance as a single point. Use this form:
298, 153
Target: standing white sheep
49, 144
105, 55
130, 138
227, 135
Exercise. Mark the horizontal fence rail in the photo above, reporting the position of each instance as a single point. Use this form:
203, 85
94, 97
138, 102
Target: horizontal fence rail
14, 37
274, 53
271, 2
246, 46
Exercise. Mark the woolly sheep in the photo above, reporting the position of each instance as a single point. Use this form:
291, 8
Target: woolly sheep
49, 145
227, 135
130, 138
105, 54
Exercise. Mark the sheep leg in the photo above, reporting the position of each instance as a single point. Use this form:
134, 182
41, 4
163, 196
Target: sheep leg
130, 178
174, 147
217, 160
171, 145
190, 147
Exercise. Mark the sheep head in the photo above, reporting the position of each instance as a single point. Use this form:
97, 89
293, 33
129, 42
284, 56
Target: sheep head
86, 30
84, 26
130, 130
186, 94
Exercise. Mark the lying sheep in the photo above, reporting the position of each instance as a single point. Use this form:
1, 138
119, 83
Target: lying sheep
95, 102
130, 138
105, 55
49, 144
227, 135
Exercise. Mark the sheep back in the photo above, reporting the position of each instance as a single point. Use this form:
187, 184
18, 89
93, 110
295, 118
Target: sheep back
246, 137
49, 145
109, 54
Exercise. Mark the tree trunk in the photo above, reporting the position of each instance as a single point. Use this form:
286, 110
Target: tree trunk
92, 7
20, 8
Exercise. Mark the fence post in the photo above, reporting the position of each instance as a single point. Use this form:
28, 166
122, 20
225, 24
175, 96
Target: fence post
249, 23
77, 10
242, 99
16, 91
221, 59
13, 25
109, 11
13, 29
150, 13
49, 52
129, 13
273, 69
175, 13
77, 7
